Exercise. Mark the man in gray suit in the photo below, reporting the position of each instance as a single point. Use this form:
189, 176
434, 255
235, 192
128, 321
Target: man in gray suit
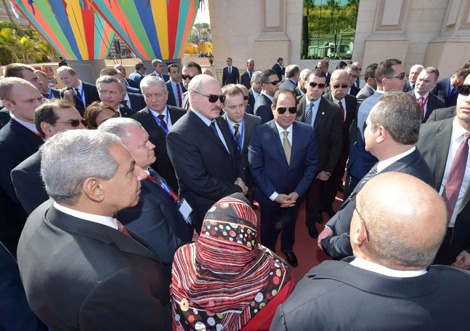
292, 78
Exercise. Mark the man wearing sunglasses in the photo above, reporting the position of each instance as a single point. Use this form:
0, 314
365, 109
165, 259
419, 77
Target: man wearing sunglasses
270, 84
390, 283
445, 147
391, 135
339, 95
283, 162
190, 70
202, 149
325, 117
50, 118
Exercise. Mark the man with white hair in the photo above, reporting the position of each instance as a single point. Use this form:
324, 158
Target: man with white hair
200, 146
127, 81
415, 70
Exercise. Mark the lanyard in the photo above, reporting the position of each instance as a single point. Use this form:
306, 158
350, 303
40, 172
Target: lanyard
37, 134
165, 188
159, 122
239, 144
80, 97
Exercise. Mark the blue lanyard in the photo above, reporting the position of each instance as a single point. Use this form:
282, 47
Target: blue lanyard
159, 122
239, 144
80, 97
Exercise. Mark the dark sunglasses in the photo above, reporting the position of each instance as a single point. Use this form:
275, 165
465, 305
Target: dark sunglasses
400, 76
274, 83
74, 123
464, 89
245, 97
342, 85
313, 84
282, 110
187, 76
213, 97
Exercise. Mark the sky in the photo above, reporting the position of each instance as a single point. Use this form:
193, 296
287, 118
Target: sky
203, 13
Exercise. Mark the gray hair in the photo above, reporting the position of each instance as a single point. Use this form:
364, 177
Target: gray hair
339, 72
417, 66
70, 157
118, 126
155, 62
149, 81
110, 79
255, 75
304, 74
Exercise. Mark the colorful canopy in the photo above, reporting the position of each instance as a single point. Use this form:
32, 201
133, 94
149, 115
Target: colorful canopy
151, 28
72, 27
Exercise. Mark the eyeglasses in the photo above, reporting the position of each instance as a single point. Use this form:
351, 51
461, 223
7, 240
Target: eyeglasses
313, 84
342, 85
74, 123
187, 76
464, 90
274, 82
400, 76
282, 110
245, 97
352, 199
213, 97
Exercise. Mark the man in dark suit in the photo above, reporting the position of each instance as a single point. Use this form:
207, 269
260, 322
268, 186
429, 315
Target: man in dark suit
448, 88
158, 217
270, 84
133, 101
255, 90
175, 87
443, 145
441, 114
49, 118
370, 87
354, 73
139, 73
339, 85
47, 91
389, 284
190, 70
19, 139
292, 78
230, 74
129, 82
324, 65
81, 268
202, 150
279, 68
410, 84
427, 101
390, 135
241, 126
158, 68
283, 162
245, 78
325, 118
81, 94
157, 119
111, 92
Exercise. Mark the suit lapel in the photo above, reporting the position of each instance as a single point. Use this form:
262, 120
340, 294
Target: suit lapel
443, 137
206, 130
321, 115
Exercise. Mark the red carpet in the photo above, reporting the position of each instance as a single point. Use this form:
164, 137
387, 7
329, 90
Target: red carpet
305, 248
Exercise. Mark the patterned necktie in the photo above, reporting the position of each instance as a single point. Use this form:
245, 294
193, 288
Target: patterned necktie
229, 71
342, 110
236, 133
286, 146
309, 116
161, 117
455, 177
372, 172
121, 228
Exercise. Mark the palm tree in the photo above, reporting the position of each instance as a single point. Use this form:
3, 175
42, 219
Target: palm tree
8, 42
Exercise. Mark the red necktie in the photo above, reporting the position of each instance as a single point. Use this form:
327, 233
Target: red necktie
342, 110
121, 228
46, 95
229, 71
421, 105
179, 94
456, 175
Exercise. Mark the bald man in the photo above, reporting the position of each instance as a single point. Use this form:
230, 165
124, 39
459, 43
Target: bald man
389, 283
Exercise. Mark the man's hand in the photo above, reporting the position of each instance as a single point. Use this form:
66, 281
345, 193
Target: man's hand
463, 260
327, 232
241, 183
68, 95
284, 200
323, 176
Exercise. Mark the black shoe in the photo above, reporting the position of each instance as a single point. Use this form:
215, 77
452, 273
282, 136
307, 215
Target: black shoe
312, 231
329, 210
319, 219
341, 188
292, 259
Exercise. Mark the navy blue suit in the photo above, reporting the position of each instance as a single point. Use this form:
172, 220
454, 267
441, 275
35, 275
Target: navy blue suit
91, 95
443, 90
271, 173
171, 96
136, 76
165, 77
233, 78
137, 101
262, 108
279, 71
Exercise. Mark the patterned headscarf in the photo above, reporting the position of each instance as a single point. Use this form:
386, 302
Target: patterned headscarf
224, 279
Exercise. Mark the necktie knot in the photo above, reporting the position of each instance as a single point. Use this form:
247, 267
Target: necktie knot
161, 117
123, 103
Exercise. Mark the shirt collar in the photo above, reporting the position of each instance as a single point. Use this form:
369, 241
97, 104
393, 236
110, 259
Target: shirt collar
30, 126
281, 129
105, 220
316, 103
204, 119
457, 129
380, 269
385, 163
417, 96
270, 97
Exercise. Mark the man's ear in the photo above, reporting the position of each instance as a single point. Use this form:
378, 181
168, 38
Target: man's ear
358, 232
94, 189
382, 134
46, 128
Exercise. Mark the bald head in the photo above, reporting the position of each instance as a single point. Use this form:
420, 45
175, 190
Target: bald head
397, 239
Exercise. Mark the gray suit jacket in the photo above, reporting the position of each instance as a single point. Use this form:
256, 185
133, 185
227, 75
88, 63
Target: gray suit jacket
441, 114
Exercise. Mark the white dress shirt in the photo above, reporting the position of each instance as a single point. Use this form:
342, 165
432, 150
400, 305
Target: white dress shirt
104, 220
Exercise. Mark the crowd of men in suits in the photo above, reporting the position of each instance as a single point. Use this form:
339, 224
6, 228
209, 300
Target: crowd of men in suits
120, 200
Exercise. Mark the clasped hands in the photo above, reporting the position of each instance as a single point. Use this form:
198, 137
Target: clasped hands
287, 201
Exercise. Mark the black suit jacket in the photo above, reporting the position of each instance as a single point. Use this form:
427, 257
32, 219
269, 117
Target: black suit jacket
328, 131
441, 114
434, 102
126, 111
251, 99
206, 171
234, 78
434, 143
27, 180
351, 109
442, 90
338, 246
91, 95
338, 296
157, 219
279, 71
245, 79
354, 91
262, 108
137, 101
132, 83
171, 96
4, 117
82, 275
158, 137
